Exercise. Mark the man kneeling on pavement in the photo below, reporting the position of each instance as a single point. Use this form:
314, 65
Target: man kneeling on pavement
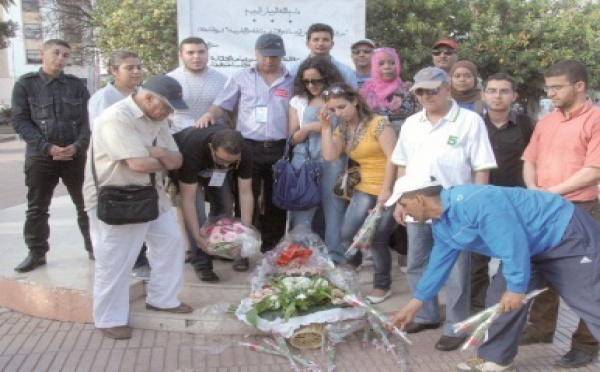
538, 236
132, 141
210, 155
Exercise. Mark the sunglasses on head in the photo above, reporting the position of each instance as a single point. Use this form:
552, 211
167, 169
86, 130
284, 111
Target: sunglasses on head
362, 51
422, 91
446, 52
314, 82
333, 91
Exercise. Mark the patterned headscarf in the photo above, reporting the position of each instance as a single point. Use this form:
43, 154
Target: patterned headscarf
376, 90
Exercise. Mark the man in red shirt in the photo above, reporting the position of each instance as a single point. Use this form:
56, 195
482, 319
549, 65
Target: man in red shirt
563, 157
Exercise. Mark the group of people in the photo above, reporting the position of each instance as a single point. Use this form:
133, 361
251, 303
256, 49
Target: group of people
422, 147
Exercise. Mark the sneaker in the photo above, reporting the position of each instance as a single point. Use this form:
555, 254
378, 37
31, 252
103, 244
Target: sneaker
480, 365
379, 299
141, 272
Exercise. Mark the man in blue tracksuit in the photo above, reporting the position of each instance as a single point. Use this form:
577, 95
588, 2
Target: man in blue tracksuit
536, 235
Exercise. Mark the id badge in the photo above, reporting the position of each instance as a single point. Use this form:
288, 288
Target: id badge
218, 177
261, 113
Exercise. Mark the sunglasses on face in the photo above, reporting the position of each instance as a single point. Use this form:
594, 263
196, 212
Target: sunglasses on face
422, 91
314, 82
333, 91
362, 51
446, 52
222, 163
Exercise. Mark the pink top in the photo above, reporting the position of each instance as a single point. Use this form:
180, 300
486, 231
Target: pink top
560, 146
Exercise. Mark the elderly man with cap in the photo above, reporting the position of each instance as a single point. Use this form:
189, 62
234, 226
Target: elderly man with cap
445, 54
362, 51
262, 93
132, 146
451, 144
538, 236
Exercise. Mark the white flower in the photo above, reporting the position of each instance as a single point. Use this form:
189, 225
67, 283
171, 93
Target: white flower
301, 296
311, 291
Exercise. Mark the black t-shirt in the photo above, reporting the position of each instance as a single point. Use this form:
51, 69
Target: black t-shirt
193, 144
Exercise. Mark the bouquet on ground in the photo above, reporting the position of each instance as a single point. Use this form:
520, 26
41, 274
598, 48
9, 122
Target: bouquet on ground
229, 238
290, 295
364, 236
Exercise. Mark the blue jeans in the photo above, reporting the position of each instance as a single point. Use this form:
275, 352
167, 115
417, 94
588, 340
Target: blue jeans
420, 244
221, 205
357, 211
333, 209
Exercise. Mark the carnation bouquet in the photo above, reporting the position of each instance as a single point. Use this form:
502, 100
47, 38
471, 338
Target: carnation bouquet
229, 238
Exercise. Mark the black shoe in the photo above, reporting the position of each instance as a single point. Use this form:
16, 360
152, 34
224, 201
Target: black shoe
575, 358
420, 327
207, 275
449, 343
30, 262
527, 339
241, 264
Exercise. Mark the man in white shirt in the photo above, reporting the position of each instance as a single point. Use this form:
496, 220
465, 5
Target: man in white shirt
451, 144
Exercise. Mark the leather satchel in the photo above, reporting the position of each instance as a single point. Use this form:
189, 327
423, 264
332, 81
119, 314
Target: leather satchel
347, 181
296, 189
123, 205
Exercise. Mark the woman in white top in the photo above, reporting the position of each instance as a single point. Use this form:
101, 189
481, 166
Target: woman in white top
313, 76
126, 68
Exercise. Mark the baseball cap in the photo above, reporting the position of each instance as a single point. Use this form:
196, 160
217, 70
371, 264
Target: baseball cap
430, 78
168, 88
369, 42
407, 184
270, 45
447, 42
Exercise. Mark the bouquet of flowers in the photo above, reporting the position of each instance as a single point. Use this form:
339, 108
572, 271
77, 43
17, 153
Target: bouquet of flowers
293, 294
364, 236
230, 238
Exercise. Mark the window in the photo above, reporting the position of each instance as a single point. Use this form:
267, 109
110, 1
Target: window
31, 5
32, 31
76, 59
33, 57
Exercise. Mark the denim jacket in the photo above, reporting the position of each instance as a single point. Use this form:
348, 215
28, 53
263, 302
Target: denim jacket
51, 111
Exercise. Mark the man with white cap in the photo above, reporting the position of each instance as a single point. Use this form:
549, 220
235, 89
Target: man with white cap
536, 235
132, 146
451, 144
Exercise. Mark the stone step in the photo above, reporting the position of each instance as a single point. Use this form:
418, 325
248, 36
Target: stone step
211, 302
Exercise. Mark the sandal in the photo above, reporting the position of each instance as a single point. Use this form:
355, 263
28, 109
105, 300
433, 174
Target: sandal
241, 264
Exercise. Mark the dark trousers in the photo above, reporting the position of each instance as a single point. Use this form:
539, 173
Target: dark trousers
480, 281
269, 219
544, 311
572, 267
41, 177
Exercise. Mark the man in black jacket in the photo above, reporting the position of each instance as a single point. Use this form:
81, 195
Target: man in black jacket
50, 113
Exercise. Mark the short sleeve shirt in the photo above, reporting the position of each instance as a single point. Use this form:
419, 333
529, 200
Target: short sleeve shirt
451, 151
561, 146
193, 144
123, 132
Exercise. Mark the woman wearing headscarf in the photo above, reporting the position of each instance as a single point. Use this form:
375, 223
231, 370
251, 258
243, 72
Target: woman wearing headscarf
463, 85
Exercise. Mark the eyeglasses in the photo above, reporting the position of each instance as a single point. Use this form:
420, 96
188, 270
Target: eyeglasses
333, 91
222, 163
422, 91
555, 88
502, 92
446, 52
314, 82
362, 51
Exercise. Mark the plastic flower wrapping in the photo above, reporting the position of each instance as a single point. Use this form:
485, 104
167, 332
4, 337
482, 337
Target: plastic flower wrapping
364, 235
297, 284
229, 238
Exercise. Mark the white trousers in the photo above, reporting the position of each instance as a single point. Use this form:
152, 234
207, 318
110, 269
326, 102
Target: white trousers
116, 249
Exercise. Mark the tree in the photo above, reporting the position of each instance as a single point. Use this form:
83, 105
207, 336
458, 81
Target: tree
519, 37
7, 29
149, 29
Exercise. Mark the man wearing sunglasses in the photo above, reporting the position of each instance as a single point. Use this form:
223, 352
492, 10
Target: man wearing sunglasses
451, 144
563, 157
209, 155
445, 54
362, 51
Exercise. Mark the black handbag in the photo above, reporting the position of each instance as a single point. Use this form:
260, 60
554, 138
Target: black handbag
123, 205
296, 189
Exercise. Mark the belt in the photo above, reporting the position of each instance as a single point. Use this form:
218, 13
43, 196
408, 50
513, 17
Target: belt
272, 143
